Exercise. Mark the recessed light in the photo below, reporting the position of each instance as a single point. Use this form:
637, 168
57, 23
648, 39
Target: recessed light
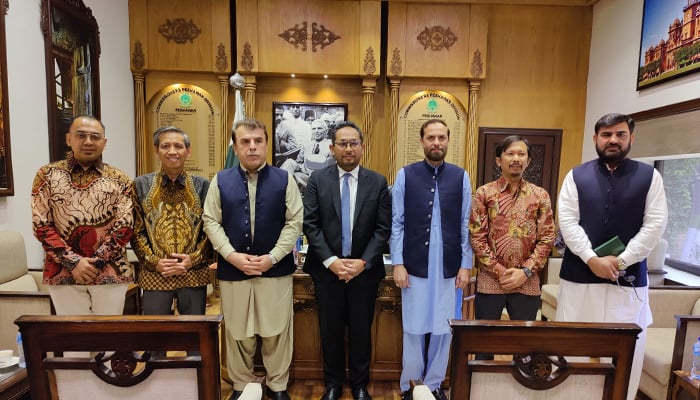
294, 76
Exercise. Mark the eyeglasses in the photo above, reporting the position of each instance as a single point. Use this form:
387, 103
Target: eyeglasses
622, 274
343, 144
82, 136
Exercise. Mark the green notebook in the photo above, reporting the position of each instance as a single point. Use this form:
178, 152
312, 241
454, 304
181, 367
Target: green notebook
612, 247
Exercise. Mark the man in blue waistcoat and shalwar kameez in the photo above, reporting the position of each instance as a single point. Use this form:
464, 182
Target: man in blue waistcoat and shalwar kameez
601, 199
431, 255
253, 216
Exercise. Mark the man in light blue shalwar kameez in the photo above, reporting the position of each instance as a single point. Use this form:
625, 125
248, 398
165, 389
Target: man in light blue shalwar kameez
431, 255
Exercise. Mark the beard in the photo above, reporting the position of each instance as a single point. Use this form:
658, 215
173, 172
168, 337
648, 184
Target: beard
613, 158
437, 155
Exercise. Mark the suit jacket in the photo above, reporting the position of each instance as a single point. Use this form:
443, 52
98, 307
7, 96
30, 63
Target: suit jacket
322, 222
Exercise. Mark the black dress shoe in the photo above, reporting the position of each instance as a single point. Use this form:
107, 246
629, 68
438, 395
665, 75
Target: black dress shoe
235, 395
407, 395
361, 393
281, 395
439, 394
333, 392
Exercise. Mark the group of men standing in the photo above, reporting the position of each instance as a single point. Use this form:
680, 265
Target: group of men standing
84, 213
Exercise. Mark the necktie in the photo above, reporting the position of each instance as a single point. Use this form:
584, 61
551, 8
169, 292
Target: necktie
316, 148
346, 234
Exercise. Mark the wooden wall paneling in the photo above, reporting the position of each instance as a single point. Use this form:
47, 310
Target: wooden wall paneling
538, 72
442, 61
138, 28
277, 55
248, 45
221, 37
478, 41
194, 55
396, 40
369, 31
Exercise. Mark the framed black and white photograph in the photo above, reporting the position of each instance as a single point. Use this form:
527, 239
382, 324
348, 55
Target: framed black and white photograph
301, 136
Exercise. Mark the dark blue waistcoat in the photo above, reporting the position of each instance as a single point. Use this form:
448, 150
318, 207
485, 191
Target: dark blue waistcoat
610, 204
270, 210
421, 179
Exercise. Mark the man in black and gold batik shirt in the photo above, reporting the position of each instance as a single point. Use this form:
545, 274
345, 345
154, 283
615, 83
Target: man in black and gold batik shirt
172, 248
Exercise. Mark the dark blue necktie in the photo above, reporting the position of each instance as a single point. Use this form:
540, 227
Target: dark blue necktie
346, 234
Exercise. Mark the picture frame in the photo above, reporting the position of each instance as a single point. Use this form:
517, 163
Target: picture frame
667, 51
7, 187
301, 136
72, 52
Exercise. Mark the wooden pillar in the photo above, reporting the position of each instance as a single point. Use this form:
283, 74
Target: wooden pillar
369, 87
225, 129
472, 142
394, 85
249, 95
143, 145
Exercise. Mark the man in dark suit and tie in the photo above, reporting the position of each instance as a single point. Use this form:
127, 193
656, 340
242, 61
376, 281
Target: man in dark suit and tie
345, 257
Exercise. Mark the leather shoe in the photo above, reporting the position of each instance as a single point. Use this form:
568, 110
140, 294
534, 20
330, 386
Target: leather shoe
333, 392
361, 393
235, 395
439, 394
407, 395
281, 395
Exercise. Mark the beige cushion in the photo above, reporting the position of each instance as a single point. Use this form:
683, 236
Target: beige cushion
14, 257
696, 308
24, 283
658, 353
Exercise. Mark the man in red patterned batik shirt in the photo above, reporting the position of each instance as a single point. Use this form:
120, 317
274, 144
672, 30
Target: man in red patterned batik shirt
512, 232
82, 215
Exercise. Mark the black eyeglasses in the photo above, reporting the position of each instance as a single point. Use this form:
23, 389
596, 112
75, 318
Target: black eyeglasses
622, 274
343, 144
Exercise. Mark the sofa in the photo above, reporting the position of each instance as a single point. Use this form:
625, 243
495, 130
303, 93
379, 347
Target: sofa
21, 290
666, 302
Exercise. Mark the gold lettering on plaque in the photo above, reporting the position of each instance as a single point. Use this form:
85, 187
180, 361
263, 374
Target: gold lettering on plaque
195, 111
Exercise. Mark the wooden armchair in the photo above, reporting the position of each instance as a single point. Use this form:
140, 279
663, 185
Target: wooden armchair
543, 366
687, 332
121, 357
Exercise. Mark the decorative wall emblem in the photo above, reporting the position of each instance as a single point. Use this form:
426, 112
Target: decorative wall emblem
138, 60
396, 68
477, 64
179, 30
221, 59
247, 58
437, 38
369, 63
299, 35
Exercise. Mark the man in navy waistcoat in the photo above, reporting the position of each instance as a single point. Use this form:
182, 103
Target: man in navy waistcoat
432, 258
601, 199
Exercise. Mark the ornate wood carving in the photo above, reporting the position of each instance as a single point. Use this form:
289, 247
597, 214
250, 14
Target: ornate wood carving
7, 6
179, 30
437, 38
303, 305
396, 67
538, 371
122, 368
299, 35
77, 7
370, 63
138, 60
296, 36
247, 58
477, 65
221, 59
320, 36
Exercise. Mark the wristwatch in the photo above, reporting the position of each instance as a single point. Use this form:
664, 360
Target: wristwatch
528, 272
621, 264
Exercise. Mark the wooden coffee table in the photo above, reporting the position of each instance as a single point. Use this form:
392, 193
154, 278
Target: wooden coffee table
14, 384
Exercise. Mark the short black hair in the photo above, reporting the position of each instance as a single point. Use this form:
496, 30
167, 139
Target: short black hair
346, 124
614, 119
433, 121
504, 144
249, 123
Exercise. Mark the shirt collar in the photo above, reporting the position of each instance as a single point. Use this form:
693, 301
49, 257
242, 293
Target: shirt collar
504, 184
355, 172
166, 179
98, 165
257, 171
